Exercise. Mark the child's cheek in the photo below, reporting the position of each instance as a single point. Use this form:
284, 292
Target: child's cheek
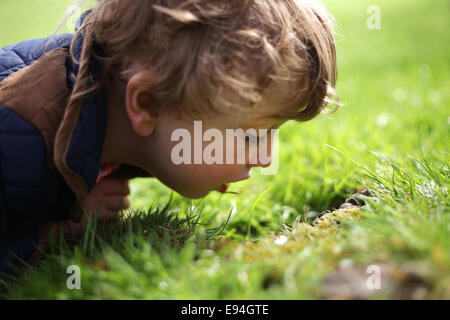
216, 173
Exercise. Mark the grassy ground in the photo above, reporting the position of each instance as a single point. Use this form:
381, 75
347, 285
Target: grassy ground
390, 138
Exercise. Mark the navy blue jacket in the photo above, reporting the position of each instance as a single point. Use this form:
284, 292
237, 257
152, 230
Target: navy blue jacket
32, 189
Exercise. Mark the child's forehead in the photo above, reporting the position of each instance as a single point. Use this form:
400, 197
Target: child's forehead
276, 104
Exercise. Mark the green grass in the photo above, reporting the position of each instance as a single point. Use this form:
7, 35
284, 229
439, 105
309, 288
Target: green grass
391, 137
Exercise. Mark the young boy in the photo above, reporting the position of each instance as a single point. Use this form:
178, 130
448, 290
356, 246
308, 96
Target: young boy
82, 114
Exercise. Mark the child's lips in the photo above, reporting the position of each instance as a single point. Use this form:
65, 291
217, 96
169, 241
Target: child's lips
223, 188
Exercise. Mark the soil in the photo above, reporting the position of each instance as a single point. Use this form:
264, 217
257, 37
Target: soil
354, 202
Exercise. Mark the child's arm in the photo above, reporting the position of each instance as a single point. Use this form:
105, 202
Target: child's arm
20, 245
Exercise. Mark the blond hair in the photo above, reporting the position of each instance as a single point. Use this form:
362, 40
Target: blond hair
199, 49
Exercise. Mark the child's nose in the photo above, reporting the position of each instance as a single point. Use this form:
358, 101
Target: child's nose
267, 162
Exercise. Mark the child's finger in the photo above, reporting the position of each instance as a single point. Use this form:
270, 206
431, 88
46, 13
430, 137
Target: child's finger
116, 203
106, 215
74, 229
50, 231
113, 186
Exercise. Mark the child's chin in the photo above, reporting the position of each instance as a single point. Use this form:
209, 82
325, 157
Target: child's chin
195, 194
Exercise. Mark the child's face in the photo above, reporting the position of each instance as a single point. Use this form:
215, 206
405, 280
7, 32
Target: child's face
191, 178
196, 180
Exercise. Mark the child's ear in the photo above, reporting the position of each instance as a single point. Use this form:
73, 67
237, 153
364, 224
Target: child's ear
138, 105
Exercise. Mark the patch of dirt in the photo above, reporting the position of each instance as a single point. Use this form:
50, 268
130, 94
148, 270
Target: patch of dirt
378, 280
325, 218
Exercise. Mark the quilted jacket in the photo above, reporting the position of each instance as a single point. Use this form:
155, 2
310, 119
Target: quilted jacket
49, 154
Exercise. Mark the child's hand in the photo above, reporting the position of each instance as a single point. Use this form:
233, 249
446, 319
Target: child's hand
110, 193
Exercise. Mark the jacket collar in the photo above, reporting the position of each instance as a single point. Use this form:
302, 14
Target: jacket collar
81, 135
